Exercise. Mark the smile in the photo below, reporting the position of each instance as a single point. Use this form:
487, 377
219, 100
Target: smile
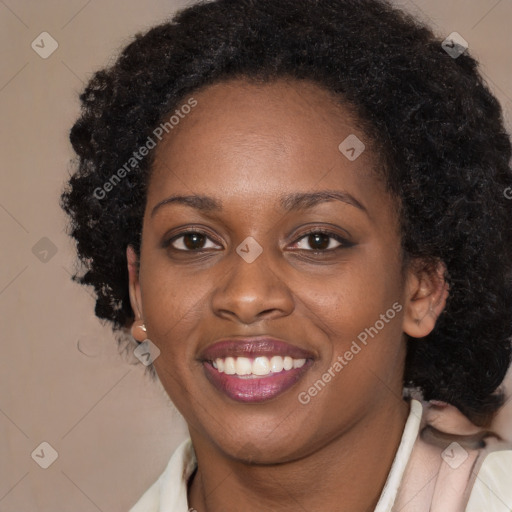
255, 369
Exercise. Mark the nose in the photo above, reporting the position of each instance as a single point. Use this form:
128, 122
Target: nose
249, 292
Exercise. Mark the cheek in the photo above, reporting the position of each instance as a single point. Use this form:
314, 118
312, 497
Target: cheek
360, 310
353, 296
174, 304
363, 352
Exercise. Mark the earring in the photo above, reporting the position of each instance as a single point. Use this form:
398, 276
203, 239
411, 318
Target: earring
139, 330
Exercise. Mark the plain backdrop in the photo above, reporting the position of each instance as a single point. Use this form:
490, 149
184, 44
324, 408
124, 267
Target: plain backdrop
62, 381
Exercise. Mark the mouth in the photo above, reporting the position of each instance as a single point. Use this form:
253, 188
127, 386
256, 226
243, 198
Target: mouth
254, 369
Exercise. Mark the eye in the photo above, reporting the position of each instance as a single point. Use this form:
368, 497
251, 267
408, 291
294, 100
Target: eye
321, 241
190, 241
317, 240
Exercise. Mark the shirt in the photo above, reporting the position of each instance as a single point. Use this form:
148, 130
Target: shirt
431, 472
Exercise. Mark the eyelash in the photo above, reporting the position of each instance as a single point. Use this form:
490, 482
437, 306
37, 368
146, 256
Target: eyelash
344, 243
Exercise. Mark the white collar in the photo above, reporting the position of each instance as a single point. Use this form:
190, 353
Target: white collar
411, 430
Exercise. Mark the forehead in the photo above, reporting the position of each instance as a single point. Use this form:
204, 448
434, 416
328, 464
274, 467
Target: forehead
288, 108
241, 137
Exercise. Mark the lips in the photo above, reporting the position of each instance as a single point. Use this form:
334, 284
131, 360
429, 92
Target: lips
254, 369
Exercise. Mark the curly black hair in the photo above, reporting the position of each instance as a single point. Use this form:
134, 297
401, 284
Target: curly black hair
438, 129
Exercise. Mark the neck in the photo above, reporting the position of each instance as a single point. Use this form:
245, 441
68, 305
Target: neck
346, 474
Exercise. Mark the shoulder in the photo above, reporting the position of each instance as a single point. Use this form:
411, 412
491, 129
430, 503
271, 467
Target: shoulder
456, 466
492, 490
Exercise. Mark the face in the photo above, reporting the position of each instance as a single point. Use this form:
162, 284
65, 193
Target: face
271, 276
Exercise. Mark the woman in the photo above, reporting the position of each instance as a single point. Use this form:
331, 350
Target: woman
297, 208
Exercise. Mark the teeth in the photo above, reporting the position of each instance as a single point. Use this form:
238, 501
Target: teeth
243, 366
260, 366
276, 364
229, 366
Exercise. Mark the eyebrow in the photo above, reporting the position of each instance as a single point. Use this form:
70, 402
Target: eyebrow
290, 202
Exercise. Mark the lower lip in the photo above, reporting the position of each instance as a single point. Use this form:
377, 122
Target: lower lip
257, 389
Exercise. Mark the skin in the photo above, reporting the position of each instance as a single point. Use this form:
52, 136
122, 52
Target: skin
247, 145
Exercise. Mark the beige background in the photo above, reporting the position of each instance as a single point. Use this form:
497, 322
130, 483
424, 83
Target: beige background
113, 428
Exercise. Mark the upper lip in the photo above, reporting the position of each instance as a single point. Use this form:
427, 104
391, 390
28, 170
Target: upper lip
255, 346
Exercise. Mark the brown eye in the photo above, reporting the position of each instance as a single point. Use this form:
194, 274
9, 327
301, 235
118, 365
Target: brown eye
191, 241
320, 241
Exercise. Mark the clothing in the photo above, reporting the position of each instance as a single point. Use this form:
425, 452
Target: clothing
429, 474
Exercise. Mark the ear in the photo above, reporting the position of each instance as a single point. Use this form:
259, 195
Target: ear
134, 287
427, 291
